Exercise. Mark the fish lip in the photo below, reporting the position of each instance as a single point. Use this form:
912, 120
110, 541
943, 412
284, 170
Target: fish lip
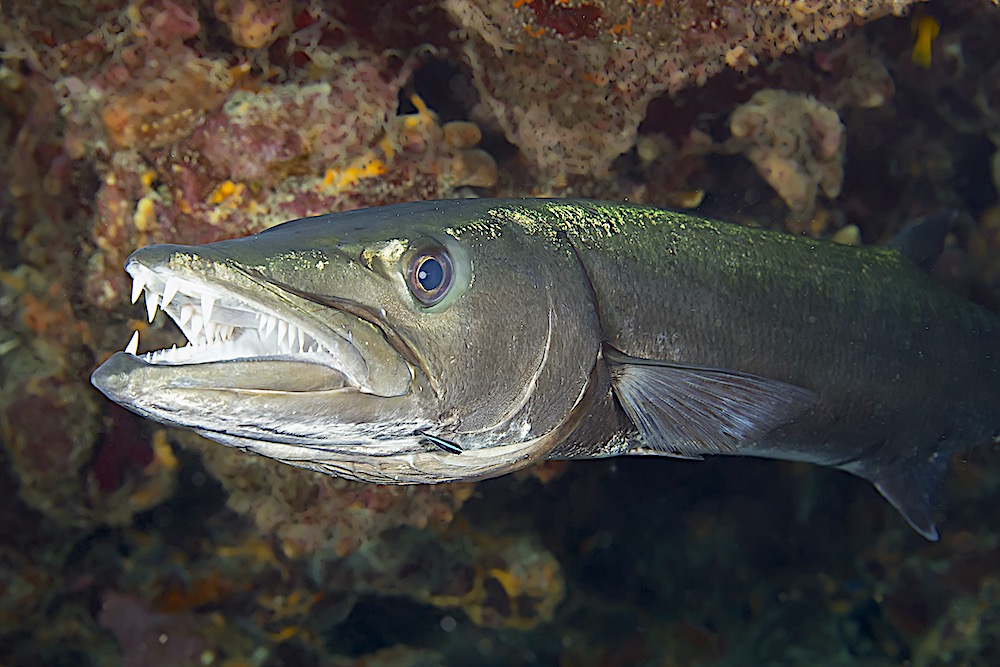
235, 294
116, 378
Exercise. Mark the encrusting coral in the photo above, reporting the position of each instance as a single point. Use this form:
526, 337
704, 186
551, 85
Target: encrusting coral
796, 143
569, 82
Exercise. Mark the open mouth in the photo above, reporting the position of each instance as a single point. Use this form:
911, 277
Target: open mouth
221, 325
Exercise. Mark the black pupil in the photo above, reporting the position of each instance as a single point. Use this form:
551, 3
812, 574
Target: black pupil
430, 274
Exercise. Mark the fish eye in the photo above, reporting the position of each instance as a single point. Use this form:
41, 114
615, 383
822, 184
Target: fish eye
430, 275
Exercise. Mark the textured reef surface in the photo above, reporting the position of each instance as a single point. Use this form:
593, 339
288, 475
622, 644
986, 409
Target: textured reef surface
126, 123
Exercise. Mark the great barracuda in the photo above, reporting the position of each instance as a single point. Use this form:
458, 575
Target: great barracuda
460, 340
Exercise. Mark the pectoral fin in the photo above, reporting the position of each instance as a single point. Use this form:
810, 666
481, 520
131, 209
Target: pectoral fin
688, 411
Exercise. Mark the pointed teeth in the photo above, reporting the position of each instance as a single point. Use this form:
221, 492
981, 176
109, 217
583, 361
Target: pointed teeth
267, 325
152, 301
133, 344
213, 333
197, 323
169, 291
217, 333
138, 284
207, 303
282, 330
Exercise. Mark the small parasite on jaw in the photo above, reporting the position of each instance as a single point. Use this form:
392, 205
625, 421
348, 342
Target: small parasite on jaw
441, 443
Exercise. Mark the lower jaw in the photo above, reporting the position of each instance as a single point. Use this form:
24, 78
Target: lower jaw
253, 374
280, 375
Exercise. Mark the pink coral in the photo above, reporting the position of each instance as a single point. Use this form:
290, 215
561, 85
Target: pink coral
148, 638
152, 90
796, 143
299, 128
569, 83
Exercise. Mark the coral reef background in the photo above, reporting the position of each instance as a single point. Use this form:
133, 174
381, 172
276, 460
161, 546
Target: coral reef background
124, 123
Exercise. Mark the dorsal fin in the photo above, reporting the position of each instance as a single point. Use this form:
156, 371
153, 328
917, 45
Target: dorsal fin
923, 241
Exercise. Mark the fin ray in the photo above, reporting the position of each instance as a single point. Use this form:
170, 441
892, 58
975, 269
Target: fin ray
689, 411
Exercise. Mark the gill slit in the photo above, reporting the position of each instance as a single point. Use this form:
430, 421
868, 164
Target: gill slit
471, 467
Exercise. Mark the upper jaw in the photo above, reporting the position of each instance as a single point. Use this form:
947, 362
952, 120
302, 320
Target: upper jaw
228, 315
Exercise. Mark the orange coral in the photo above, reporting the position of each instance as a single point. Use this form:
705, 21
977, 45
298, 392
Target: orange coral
164, 106
185, 597
44, 308
517, 584
254, 23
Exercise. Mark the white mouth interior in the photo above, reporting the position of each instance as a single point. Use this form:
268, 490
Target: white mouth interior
220, 326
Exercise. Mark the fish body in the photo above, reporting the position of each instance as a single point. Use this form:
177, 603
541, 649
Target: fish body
459, 340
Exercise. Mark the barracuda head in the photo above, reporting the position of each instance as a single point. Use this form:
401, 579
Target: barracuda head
415, 343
